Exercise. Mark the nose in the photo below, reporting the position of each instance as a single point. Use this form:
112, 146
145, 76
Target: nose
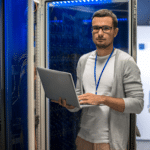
100, 32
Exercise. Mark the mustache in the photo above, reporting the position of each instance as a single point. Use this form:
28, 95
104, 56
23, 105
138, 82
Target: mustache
100, 39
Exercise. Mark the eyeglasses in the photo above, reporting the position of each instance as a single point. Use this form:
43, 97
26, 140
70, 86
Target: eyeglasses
105, 29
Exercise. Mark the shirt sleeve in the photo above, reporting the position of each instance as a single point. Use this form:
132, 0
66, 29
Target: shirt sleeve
134, 97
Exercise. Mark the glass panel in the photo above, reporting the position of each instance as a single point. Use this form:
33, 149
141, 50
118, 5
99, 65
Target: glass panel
2, 81
16, 74
68, 37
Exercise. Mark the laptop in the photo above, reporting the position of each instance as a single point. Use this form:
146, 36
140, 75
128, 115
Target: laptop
60, 84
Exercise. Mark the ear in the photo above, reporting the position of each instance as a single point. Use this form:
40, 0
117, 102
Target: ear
116, 32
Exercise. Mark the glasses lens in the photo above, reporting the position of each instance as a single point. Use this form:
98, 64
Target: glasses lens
95, 28
105, 29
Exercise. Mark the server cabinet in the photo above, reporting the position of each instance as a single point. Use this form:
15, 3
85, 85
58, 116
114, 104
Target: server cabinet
15, 31
2, 97
64, 34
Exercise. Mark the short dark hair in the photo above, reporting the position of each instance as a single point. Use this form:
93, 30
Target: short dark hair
105, 13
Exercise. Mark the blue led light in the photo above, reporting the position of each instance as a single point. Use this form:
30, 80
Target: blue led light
119, 19
122, 19
56, 21
79, 2
87, 21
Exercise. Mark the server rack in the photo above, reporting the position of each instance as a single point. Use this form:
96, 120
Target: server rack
15, 54
63, 61
2, 77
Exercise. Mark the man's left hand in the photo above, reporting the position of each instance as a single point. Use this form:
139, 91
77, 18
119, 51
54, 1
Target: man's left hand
92, 99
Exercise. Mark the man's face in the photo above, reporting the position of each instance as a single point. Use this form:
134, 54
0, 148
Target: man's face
101, 38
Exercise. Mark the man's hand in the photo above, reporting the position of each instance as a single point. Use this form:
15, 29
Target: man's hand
117, 104
63, 103
92, 99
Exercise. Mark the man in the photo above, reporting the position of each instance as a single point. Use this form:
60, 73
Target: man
110, 79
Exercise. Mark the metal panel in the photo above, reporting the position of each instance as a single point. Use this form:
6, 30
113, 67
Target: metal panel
47, 100
37, 62
38, 85
130, 25
40, 61
42, 64
47, 124
31, 118
134, 29
133, 47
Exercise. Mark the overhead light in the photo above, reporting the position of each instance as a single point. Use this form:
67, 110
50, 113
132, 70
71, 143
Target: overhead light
80, 2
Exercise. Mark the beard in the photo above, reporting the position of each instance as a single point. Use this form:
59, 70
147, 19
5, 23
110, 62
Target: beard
103, 46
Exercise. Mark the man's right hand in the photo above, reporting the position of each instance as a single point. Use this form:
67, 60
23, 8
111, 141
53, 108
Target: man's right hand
63, 103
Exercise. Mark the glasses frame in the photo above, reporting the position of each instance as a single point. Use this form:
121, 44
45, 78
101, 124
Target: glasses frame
101, 27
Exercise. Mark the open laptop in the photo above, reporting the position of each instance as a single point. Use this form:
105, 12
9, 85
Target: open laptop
59, 84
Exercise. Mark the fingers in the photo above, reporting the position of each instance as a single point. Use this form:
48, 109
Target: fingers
85, 96
54, 101
82, 97
63, 102
67, 106
70, 107
59, 101
88, 98
84, 102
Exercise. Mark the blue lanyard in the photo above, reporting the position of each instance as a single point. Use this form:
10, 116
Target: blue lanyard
102, 70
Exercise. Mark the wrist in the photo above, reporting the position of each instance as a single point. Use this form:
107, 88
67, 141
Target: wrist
102, 99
